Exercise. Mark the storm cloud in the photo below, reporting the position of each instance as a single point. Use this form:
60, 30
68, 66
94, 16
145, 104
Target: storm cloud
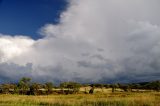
95, 41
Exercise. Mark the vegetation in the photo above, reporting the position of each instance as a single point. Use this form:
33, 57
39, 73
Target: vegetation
72, 87
27, 93
97, 99
26, 87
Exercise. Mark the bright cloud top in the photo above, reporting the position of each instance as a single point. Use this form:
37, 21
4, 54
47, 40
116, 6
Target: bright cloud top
13, 46
95, 41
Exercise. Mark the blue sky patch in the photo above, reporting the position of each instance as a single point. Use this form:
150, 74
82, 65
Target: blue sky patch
25, 17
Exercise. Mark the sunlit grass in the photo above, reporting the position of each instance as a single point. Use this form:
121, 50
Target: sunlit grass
98, 99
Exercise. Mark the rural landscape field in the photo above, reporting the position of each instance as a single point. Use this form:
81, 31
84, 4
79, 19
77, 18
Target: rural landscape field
79, 52
27, 93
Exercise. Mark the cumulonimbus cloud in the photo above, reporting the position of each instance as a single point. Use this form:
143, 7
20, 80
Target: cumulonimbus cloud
95, 41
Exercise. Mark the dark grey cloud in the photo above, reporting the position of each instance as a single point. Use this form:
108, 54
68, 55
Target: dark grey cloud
10, 72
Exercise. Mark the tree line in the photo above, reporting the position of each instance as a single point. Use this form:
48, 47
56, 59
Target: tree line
26, 87
153, 85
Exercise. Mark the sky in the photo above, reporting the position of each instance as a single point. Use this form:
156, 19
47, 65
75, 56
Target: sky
25, 17
87, 41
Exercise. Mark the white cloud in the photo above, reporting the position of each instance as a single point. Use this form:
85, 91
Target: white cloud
13, 46
105, 40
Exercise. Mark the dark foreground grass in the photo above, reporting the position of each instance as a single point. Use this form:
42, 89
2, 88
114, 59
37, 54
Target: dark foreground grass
99, 99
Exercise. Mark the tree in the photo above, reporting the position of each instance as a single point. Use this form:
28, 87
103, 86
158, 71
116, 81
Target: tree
35, 89
73, 87
91, 91
98, 85
7, 88
49, 87
23, 85
155, 85
62, 86
106, 85
126, 88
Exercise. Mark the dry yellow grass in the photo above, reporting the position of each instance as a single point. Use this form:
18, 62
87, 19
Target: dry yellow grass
98, 99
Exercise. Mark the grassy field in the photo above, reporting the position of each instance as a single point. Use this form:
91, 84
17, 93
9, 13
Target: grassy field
97, 99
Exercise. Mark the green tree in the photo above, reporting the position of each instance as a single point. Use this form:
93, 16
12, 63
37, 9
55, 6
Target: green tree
49, 86
35, 89
7, 88
24, 85
155, 85
126, 88
63, 85
71, 86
